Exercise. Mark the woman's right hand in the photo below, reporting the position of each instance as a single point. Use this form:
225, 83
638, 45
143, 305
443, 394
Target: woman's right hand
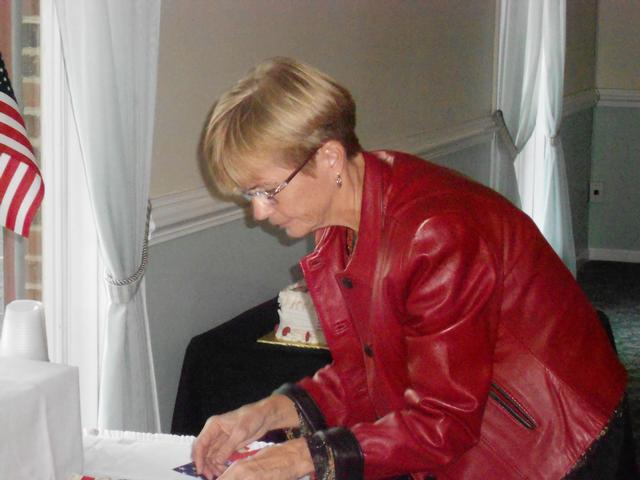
224, 434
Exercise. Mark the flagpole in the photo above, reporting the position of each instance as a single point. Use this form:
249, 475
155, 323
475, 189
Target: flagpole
19, 242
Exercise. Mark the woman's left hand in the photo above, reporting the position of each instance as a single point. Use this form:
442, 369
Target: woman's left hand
286, 461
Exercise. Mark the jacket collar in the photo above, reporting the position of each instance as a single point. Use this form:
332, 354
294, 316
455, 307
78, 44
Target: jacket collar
331, 241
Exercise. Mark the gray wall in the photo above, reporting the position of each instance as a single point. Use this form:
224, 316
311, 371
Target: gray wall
199, 281
408, 64
614, 222
576, 141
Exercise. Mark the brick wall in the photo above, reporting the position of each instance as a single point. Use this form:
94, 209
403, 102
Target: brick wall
30, 38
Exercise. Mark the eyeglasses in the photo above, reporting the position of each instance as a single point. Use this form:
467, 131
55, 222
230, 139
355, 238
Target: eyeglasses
269, 195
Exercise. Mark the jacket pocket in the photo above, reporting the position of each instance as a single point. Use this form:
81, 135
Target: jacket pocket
511, 406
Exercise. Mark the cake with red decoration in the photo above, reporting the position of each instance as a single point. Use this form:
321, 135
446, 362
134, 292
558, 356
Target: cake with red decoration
298, 320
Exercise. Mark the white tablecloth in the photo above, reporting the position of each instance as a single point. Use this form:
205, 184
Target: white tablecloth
40, 434
134, 455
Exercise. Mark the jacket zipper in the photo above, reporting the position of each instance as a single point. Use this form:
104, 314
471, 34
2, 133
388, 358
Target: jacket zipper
511, 406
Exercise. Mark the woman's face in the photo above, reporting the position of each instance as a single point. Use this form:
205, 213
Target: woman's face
303, 206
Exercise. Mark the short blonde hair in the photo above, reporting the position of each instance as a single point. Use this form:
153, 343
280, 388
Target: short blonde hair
282, 111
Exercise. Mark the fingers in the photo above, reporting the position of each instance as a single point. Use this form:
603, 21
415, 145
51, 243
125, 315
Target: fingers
215, 444
206, 444
285, 461
224, 434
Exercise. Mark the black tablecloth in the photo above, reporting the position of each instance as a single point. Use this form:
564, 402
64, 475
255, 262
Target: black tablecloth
225, 368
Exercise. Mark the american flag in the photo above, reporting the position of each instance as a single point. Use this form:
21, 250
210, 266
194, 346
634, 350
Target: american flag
21, 187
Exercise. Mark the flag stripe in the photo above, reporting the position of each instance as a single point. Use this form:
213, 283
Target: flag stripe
18, 198
8, 106
33, 208
4, 161
17, 156
11, 122
14, 134
8, 169
17, 147
7, 200
27, 200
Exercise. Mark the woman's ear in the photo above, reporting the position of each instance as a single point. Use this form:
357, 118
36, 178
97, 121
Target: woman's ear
333, 155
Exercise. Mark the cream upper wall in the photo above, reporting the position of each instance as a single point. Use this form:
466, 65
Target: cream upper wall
580, 63
412, 67
618, 64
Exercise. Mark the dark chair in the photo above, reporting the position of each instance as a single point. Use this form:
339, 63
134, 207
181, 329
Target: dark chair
628, 468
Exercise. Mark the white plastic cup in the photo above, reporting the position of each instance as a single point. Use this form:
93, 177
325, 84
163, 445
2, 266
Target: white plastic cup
23, 331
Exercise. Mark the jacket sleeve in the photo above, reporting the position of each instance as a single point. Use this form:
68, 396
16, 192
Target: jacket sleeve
444, 283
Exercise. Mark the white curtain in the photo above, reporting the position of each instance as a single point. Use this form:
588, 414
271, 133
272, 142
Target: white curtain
110, 50
516, 89
529, 94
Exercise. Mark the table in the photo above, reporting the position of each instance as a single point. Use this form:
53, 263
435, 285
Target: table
40, 418
225, 368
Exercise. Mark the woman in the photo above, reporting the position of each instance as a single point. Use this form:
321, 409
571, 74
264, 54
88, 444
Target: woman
462, 347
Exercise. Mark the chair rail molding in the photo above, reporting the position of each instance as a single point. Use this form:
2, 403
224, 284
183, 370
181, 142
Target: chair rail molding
438, 143
178, 214
612, 97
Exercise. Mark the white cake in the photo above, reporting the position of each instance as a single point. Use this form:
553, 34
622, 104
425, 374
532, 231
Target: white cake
298, 320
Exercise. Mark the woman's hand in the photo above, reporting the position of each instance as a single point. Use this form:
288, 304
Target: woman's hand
224, 434
286, 461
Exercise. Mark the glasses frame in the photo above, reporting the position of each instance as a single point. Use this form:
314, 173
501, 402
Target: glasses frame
270, 194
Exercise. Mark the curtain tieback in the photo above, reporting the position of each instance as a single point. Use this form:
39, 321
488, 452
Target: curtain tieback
555, 140
123, 290
503, 133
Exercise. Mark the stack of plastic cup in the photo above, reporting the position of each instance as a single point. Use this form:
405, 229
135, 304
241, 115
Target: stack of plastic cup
23, 331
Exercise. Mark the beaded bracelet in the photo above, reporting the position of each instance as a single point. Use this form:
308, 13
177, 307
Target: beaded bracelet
322, 456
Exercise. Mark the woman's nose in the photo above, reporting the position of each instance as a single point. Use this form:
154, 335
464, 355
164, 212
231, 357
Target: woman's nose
260, 208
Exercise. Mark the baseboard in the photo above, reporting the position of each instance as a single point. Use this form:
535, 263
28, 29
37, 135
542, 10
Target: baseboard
582, 257
614, 255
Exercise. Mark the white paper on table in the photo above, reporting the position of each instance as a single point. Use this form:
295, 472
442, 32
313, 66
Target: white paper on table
137, 456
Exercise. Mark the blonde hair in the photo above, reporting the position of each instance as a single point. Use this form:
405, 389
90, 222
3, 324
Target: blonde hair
282, 112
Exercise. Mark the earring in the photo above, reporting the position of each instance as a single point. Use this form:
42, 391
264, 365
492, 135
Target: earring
339, 180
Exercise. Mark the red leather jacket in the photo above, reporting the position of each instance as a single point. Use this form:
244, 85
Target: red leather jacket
462, 347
